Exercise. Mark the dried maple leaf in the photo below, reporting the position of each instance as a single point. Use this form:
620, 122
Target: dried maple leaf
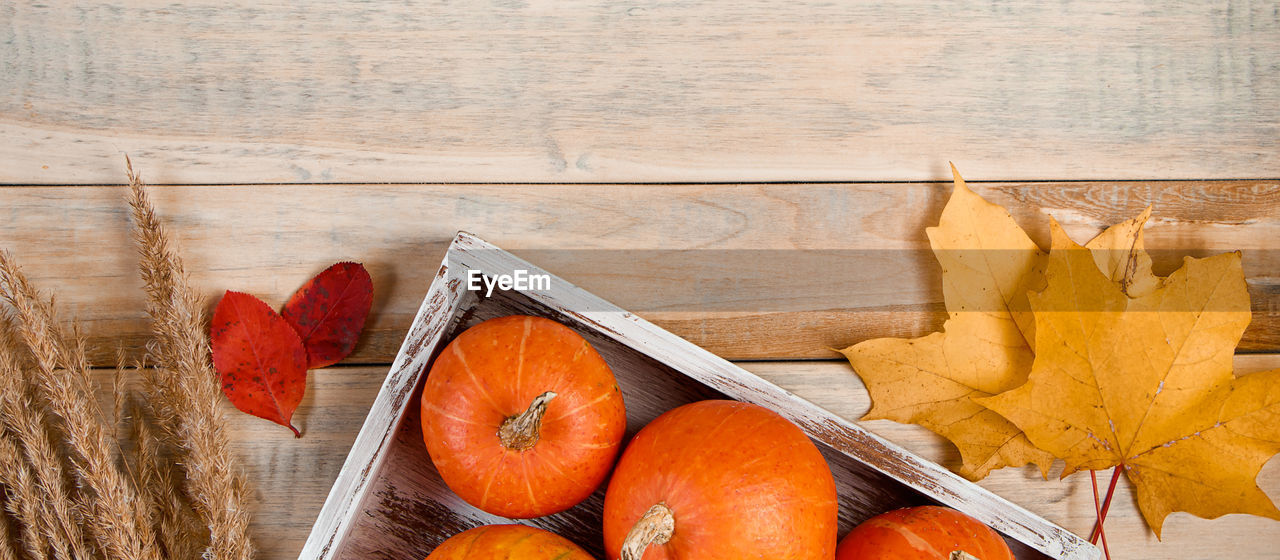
986, 347
259, 357
988, 266
1120, 253
329, 312
1146, 382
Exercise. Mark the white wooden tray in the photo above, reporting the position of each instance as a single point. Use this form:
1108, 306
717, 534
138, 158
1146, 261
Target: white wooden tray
389, 502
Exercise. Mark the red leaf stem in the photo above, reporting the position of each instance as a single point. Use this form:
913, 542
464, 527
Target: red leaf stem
1106, 503
1093, 478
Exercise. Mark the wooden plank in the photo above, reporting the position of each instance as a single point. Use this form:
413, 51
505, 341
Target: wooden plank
590, 90
699, 260
290, 478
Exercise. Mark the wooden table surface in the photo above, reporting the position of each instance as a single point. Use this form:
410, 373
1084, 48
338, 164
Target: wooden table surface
657, 154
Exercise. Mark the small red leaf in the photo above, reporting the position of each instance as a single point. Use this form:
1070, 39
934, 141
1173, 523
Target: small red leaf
260, 358
329, 312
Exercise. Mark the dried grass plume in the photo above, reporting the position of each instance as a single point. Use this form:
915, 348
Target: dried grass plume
70, 490
61, 375
184, 388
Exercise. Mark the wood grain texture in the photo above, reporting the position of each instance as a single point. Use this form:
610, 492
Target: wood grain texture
746, 271
290, 478
590, 90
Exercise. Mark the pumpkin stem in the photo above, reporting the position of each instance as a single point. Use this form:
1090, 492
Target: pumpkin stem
654, 527
962, 555
519, 433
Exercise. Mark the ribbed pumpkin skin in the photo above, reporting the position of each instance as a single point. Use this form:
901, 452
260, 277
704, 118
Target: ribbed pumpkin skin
922, 533
741, 481
493, 371
507, 542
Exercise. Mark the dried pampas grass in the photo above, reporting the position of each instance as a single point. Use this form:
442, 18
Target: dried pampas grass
7, 552
61, 375
22, 499
179, 530
26, 423
186, 396
70, 490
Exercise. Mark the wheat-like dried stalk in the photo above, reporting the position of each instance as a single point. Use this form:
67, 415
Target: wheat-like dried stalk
179, 532
118, 392
27, 422
23, 499
7, 552
184, 389
148, 511
114, 506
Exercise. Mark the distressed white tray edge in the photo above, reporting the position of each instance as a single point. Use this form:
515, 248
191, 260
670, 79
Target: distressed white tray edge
334, 519
470, 252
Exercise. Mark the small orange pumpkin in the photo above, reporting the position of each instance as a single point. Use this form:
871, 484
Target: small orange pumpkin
721, 480
522, 418
922, 533
508, 542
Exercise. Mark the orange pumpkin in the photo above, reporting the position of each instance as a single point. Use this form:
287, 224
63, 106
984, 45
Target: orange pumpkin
507, 542
721, 480
521, 417
922, 533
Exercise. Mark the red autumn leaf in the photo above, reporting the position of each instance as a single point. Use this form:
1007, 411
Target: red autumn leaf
260, 358
329, 312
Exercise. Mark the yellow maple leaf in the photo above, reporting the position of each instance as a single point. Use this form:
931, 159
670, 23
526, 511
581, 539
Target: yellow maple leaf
1146, 381
1120, 253
988, 265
